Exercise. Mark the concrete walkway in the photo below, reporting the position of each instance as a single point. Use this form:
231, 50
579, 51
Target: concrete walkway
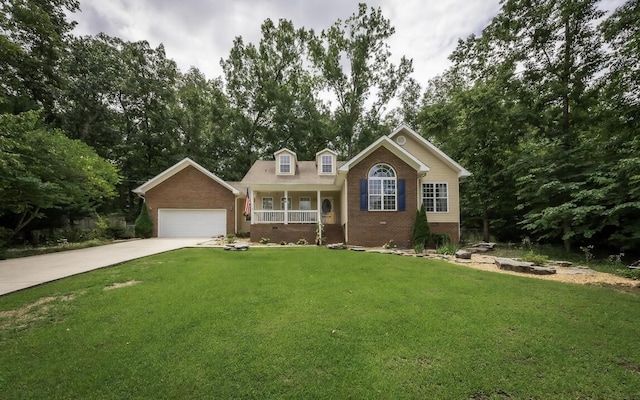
20, 273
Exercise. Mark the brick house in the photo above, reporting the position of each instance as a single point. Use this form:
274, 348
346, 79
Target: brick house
367, 200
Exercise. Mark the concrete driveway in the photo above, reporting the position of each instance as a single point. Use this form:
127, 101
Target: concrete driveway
20, 273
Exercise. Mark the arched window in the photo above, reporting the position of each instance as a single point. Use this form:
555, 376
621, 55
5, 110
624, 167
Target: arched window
382, 188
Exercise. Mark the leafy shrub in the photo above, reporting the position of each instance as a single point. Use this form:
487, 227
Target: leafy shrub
448, 248
242, 235
418, 248
320, 238
440, 239
629, 273
537, 259
265, 240
116, 232
302, 242
144, 225
421, 230
231, 238
100, 227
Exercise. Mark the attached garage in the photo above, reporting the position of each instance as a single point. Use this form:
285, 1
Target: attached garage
187, 200
191, 223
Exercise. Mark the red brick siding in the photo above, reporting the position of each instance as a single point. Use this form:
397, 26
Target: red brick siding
450, 228
277, 233
190, 189
375, 228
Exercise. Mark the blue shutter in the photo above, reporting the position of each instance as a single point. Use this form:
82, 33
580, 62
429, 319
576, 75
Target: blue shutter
363, 195
401, 196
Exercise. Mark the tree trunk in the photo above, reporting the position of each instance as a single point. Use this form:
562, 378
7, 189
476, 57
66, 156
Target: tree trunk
485, 221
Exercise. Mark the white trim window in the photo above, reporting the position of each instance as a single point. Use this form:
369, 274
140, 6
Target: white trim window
435, 197
382, 186
304, 203
282, 202
284, 163
326, 164
267, 203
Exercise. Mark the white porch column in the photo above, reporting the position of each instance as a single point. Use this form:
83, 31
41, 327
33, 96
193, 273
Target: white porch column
318, 207
286, 207
253, 207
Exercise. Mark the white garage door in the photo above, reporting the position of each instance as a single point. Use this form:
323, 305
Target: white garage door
191, 223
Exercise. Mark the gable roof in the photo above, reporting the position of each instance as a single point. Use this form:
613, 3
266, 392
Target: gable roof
263, 172
326, 150
177, 167
394, 148
462, 172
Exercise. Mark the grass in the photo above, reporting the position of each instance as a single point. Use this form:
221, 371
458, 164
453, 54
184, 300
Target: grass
315, 323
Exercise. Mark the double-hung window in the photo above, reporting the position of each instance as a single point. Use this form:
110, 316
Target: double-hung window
267, 203
382, 188
285, 164
326, 164
435, 197
287, 201
305, 203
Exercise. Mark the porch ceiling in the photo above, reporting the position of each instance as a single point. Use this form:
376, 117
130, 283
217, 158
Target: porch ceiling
294, 187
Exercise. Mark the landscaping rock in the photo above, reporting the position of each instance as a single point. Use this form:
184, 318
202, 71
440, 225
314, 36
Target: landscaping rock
485, 246
560, 263
237, 247
474, 250
464, 254
635, 265
357, 248
337, 246
524, 267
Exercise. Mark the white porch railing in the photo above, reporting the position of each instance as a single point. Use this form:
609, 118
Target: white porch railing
277, 216
303, 216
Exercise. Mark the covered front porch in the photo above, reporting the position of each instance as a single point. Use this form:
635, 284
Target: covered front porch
295, 207
291, 215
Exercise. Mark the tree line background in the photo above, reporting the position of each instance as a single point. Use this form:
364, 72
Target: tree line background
542, 108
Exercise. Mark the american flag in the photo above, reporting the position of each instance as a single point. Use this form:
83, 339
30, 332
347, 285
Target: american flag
247, 204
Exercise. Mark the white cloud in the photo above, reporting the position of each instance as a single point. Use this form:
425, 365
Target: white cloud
201, 32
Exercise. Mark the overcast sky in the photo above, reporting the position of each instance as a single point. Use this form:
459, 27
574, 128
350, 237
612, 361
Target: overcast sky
200, 32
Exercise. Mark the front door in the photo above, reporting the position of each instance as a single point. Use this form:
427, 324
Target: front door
328, 212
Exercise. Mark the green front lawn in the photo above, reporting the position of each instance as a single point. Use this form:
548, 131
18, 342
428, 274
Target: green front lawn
314, 323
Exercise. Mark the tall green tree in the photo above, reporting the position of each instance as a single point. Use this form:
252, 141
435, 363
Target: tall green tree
273, 98
34, 35
88, 108
146, 93
559, 52
42, 169
354, 61
617, 137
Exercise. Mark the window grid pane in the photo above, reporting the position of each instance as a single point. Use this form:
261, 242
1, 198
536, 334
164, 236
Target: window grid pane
285, 164
305, 203
375, 187
382, 188
389, 202
282, 199
435, 197
327, 164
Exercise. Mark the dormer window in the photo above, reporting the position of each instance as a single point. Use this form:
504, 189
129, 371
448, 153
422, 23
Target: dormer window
285, 164
326, 164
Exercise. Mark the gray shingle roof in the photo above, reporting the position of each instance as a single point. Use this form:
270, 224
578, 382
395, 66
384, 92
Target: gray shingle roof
264, 172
